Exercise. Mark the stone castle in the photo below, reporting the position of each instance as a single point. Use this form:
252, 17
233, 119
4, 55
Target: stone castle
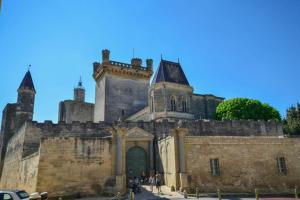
136, 126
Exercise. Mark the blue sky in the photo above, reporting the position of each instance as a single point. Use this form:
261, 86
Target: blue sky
228, 48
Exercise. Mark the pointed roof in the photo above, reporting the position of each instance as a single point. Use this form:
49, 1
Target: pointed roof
27, 82
170, 72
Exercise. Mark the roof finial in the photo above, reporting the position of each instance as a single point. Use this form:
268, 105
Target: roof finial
80, 82
161, 56
29, 67
178, 60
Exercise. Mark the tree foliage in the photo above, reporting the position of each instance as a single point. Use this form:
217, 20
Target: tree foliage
243, 108
292, 120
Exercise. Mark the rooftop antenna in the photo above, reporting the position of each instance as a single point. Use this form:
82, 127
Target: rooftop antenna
133, 53
178, 60
161, 56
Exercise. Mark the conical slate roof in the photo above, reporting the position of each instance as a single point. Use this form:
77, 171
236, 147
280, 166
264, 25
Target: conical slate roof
27, 82
170, 72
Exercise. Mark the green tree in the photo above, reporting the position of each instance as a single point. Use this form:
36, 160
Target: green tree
292, 120
243, 108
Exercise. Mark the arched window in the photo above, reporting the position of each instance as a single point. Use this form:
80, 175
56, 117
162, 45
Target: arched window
183, 105
173, 104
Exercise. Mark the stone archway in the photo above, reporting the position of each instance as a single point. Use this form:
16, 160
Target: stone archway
136, 162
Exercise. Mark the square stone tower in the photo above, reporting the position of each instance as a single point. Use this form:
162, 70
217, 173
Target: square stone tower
121, 89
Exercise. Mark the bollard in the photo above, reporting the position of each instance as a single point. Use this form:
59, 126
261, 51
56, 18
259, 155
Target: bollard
296, 193
197, 193
118, 196
131, 195
185, 194
256, 194
219, 194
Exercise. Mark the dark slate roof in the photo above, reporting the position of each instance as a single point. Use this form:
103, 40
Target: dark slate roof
27, 82
170, 72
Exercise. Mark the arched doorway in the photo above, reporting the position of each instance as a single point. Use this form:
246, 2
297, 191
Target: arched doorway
136, 162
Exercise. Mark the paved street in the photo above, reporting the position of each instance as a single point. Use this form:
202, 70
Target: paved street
146, 194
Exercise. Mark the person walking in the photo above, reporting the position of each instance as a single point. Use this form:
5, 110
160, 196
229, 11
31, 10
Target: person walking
151, 182
158, 183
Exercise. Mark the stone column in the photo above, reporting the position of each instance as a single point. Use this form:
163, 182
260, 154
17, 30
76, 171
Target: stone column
181, 151
119, 155
181, 134
151, 156
120, 176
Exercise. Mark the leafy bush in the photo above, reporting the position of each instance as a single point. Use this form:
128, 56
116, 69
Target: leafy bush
292, 120
243, 108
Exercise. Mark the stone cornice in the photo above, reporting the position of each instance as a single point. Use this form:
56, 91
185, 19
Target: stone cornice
122, 69
162, 85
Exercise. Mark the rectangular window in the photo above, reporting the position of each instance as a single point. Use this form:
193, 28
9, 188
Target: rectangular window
215, 167
281, 166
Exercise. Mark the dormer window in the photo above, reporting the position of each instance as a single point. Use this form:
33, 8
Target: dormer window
173, 104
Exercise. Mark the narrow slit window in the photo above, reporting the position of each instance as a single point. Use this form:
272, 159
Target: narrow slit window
183, 104
281, 166
215, 167
173, 104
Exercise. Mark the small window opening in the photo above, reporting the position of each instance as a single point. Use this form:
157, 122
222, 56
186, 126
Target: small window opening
215, 167
281, 166
183, 104
173, 104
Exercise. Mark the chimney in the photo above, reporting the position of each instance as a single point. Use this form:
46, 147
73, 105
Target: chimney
149, 64
105, 55
136, 62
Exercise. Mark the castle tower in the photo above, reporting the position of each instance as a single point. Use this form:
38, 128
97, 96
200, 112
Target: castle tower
170, 95
14, 115
121, 89
25, 102
79, 92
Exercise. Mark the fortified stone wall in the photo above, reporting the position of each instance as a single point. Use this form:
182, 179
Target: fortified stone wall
75, 165
21, 160
245, 163
234, 128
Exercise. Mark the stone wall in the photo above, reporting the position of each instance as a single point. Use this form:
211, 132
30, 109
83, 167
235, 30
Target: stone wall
234, 128
7, 127
204, 105
70, 110
75, 165
167, 161
122, 97
245, 163
142, 115
21, 160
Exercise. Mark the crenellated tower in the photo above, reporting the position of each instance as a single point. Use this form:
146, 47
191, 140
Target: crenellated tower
121, 88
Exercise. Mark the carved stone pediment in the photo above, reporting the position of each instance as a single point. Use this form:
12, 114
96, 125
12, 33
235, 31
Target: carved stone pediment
138, 134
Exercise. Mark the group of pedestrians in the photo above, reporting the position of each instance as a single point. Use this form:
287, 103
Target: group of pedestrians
155, 181
134, 183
